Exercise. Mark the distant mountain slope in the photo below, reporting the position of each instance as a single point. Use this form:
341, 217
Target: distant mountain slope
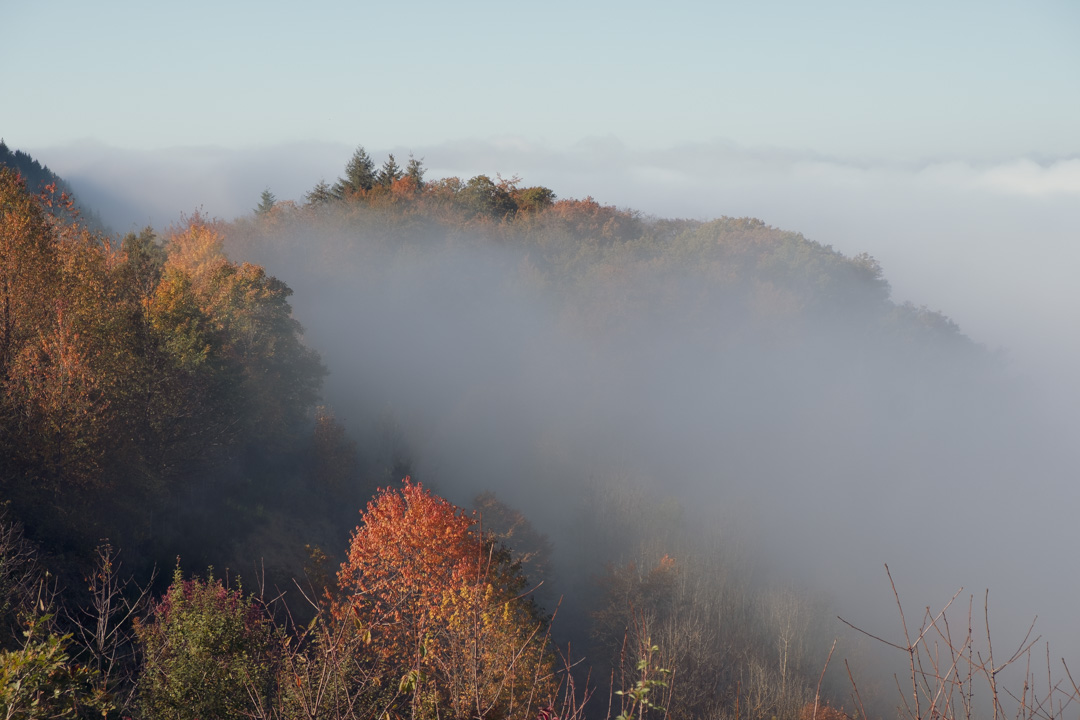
38, 177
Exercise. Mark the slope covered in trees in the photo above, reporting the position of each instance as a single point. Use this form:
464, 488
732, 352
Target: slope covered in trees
36, 176
40, 179
620, 377
133, 371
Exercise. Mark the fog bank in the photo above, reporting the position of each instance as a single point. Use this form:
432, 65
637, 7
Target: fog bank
831, 451
833, 455
990, 242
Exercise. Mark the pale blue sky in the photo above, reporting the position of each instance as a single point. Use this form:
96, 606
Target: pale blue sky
908, 81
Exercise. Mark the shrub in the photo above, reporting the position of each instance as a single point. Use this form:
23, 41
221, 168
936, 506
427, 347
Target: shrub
40, 680
207, 652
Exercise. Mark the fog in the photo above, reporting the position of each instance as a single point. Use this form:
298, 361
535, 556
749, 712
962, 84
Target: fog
829, 454
988, 241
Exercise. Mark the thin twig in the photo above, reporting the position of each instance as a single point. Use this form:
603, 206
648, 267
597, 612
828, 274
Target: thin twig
817, 691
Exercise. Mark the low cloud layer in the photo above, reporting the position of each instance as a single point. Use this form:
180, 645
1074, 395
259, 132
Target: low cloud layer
991, 244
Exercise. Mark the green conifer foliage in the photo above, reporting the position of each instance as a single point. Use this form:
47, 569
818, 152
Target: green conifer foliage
359, 175
266, 202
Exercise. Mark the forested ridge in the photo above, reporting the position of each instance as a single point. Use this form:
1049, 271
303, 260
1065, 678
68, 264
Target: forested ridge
161, 407
39, 178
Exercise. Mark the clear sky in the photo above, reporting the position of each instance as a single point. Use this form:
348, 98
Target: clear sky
903, 81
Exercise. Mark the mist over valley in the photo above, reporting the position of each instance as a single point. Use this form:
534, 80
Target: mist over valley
711, 434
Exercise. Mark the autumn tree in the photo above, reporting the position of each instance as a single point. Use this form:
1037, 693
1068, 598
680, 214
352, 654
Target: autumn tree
180, 404
155, 385
279, 375
534, 199
143, 257
196, 248
57, 314
131, 369
444, 608
595, 223
483, 197
28, 267
62, 406
272, 376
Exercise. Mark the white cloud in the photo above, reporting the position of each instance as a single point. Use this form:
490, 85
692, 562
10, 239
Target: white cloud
1025, 177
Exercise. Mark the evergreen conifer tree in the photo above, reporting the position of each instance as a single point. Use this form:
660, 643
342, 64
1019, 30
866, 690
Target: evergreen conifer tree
320, 194
415, 170
359, 175
266, 202
389, 172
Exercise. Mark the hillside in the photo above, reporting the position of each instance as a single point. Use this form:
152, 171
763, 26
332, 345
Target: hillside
39, 178
635, 385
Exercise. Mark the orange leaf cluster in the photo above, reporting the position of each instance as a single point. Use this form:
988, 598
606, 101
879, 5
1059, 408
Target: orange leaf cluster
440, 601
406, 559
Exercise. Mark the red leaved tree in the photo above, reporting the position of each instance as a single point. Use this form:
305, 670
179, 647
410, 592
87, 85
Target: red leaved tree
445, 610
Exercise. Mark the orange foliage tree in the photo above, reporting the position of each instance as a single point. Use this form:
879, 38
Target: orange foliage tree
278, 377
55, 319
444, 609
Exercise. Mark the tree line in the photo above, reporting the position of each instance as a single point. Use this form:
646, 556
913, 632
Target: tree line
128, 368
